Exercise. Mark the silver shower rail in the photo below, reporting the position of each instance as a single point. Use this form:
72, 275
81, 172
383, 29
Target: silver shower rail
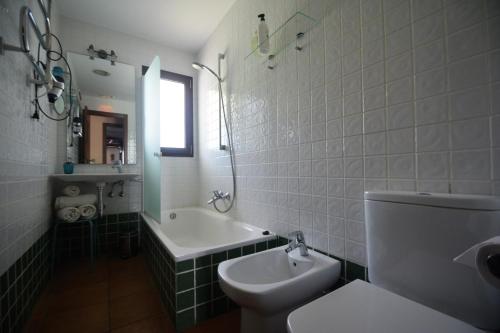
27, 19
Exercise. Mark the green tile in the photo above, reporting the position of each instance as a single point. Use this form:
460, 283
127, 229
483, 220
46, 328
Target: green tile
219, 257
234, 253
184, 281
203, 312
184, 320
203, 261
354, 271
215, 274
185, 300
183, 266
217, 291
271, 244
262, 246
203, 276
220, 306
123, 217
249, 249
282, 241
203, 294
112, 218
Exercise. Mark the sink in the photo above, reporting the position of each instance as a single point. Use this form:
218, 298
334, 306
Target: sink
95, 177
270, 284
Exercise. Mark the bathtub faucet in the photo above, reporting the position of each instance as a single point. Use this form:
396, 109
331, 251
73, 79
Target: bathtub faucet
217, 195
297, 242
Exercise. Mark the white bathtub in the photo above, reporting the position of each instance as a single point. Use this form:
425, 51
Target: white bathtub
195, 232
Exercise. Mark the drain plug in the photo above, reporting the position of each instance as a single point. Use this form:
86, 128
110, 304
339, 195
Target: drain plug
173, 216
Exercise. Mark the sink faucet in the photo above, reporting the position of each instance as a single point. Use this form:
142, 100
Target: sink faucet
118, 165
217, 195
297, 242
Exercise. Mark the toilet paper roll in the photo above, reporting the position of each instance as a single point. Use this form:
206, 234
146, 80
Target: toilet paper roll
488, 263
483, 258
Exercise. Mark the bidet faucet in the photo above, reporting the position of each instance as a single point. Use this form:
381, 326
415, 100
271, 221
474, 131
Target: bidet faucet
297, 242
217, 195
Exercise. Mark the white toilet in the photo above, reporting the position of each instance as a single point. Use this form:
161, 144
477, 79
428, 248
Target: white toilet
416, 286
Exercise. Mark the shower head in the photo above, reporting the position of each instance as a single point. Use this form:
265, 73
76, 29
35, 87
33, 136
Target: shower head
198, 66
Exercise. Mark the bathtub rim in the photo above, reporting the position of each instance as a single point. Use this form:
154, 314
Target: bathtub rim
191, 253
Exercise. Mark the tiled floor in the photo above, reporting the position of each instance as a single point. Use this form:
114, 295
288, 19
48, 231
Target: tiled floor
116, 296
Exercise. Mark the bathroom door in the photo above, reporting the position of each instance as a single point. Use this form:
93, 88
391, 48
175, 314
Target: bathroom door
152, 169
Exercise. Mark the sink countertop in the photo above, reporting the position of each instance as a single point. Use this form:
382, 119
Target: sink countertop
95, 177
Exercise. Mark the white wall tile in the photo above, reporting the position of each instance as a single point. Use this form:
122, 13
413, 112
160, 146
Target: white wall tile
402, 92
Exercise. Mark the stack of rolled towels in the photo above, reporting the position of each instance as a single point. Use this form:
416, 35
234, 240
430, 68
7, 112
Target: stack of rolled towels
72, 205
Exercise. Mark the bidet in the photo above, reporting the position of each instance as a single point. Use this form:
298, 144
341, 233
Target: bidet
270, 284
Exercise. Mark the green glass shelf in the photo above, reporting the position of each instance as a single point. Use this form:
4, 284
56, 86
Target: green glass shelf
287, 33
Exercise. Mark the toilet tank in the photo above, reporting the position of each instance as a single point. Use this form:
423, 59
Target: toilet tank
412, 239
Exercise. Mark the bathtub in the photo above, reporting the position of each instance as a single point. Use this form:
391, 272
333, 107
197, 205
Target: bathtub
193, 232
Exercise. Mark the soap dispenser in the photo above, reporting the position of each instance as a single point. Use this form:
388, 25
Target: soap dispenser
263, 35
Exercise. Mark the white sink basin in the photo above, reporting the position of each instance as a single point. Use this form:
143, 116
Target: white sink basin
95, 177
269, 284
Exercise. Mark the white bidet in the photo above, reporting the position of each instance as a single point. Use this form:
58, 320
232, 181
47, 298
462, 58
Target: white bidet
268, 285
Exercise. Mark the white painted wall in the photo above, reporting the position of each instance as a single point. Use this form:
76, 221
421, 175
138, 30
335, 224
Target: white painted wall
387, 94
76, 37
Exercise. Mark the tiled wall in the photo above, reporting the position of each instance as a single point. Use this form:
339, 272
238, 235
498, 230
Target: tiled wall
73, 238
27, 146
21, 285
387, 94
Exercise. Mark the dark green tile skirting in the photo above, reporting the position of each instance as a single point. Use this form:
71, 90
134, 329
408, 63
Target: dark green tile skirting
73, 238
190, 289
22, 283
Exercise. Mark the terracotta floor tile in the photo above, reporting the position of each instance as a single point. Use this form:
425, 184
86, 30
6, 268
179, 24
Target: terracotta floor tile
90, 319
128, 309
118, 267
124, 285
158, 324
226, 323
75, 275
78, 297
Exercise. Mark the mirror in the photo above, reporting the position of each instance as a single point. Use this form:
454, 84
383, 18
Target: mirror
102, 128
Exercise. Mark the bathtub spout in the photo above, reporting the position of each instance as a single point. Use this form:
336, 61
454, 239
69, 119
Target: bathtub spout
217, 195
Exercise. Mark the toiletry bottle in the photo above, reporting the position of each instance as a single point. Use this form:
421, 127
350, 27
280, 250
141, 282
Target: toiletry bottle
263, 35
254, 41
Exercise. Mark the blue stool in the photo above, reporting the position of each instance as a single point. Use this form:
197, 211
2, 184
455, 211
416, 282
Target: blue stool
93, 238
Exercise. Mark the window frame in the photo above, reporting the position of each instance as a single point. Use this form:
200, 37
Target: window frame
187, 81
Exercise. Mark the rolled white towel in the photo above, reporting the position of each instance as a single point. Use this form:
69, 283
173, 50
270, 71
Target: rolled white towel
77, 201
68, 214
71, 190
87, 211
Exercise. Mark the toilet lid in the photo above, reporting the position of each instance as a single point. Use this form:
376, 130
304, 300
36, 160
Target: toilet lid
361, 307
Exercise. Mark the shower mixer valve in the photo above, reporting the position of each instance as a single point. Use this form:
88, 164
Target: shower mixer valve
218, 195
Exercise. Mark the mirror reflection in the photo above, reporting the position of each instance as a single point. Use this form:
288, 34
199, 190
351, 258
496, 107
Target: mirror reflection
103, 129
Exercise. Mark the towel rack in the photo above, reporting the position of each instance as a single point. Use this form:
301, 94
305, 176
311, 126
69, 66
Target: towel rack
27, 20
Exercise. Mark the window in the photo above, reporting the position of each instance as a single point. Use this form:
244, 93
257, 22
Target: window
176, 114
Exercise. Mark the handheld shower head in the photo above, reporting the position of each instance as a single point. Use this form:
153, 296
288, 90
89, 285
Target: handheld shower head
198, 66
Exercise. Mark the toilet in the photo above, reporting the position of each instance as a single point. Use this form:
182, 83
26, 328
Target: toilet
412, 241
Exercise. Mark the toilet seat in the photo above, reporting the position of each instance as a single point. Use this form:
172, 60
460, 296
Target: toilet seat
361, 307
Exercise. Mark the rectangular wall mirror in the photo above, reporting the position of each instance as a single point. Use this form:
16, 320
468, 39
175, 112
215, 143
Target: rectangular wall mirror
105, 102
